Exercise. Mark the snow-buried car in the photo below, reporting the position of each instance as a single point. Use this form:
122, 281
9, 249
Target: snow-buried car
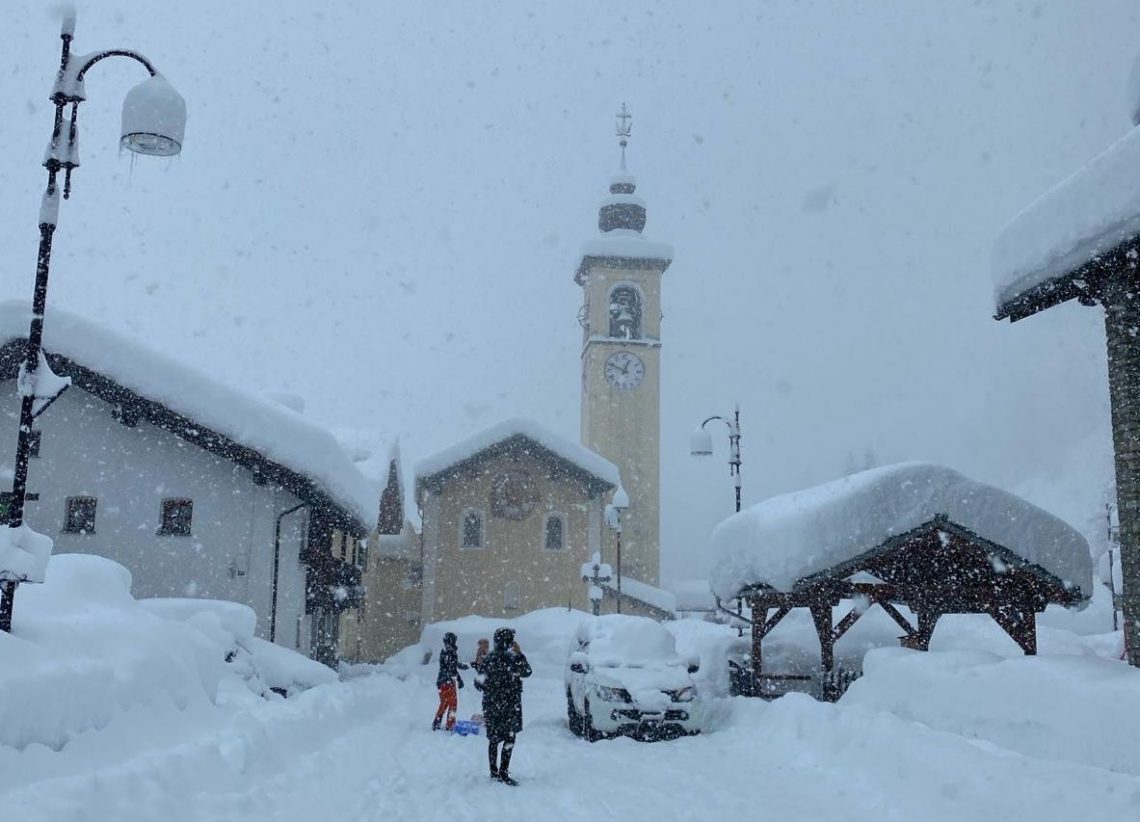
623, 676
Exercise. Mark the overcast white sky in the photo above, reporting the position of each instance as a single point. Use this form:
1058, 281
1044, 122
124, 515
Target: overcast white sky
379, 207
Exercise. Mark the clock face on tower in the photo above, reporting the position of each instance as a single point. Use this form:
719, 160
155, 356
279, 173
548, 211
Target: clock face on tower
624, 370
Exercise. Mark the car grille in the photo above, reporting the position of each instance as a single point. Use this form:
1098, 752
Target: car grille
635, 715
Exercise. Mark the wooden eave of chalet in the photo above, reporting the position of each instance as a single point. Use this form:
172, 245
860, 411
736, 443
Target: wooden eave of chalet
560, 466
941, 567
620, 262
1085, 283
130, 407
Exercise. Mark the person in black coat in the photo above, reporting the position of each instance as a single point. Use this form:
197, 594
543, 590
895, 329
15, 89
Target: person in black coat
500, 678
448, 682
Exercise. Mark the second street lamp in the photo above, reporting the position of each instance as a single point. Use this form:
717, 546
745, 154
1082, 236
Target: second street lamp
614, 513
700, 445
154, 123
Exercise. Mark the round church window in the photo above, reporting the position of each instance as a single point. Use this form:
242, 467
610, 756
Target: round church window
514, 494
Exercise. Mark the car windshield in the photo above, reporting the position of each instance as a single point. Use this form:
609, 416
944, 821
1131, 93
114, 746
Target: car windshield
633, 644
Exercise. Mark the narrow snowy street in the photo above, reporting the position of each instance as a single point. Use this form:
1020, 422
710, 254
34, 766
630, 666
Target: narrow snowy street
361, 750
734, 407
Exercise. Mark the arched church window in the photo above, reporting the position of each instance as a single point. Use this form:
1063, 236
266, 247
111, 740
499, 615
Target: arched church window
625, 313
554, 533
472, 530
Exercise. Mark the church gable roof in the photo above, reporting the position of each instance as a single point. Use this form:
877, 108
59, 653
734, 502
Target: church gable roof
516, 436
275, 443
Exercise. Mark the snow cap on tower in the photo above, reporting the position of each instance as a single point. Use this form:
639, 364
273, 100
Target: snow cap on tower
622, 210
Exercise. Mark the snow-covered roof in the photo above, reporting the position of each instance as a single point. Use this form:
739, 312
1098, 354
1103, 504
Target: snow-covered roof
1086, 215
396, 546
622, 199
579, 456
651, 595
371, 451
787, 538
693, 595
278, 434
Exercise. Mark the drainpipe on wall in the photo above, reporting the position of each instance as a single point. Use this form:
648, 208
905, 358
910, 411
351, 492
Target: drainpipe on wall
277, 567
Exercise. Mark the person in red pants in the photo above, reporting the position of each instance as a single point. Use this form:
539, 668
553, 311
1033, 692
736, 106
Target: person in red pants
448, 682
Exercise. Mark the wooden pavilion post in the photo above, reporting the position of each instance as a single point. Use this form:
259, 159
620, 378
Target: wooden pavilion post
821, 616
759, 618
1121, 327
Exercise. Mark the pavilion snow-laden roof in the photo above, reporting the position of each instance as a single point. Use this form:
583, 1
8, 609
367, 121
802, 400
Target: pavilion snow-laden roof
834, 529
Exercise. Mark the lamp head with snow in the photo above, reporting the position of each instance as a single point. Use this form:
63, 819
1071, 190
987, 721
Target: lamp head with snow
700, 443
621, 499
154, 118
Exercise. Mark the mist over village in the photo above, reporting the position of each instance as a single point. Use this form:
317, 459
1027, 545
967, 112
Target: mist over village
649, 411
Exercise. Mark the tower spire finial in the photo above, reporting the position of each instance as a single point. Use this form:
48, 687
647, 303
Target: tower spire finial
624, 127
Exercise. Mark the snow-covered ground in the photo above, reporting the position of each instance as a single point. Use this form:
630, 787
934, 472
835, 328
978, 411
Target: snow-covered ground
971, 730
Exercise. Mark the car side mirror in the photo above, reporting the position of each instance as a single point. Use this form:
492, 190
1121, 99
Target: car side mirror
578, 662
693, 667
578, 667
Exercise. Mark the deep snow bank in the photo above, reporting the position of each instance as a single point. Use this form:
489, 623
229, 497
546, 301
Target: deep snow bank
544, 636
1068, 707
83, 651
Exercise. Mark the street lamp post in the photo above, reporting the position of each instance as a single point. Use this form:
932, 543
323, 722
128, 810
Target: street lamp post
614, 513
154, 123
701, 445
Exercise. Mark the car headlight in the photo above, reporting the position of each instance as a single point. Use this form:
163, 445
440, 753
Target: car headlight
684, 695
612, 694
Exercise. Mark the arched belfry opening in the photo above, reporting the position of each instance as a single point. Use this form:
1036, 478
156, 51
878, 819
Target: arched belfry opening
625, 313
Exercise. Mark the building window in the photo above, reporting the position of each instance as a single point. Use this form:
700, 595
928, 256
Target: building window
79, 517
511, 596
472, 531
625, 313
34, 443
177, 514
554, 533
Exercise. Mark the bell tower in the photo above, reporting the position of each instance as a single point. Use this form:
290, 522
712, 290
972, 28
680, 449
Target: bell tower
620, 275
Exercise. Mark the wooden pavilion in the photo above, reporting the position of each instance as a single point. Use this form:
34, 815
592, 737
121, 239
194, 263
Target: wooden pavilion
938, 568
918, 540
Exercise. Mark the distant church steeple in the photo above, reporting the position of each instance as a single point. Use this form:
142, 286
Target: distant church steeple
622, 210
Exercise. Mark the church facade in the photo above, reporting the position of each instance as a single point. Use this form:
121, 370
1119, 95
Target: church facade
509, 517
